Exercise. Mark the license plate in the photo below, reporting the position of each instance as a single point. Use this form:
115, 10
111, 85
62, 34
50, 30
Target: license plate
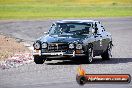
57, 53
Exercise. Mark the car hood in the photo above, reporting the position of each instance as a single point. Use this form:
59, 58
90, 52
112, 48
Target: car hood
62, 38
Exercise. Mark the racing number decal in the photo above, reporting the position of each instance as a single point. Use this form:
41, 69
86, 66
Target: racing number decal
100, 42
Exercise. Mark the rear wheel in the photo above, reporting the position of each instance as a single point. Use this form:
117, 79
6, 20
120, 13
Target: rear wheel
89, 55
39, 59
107, 54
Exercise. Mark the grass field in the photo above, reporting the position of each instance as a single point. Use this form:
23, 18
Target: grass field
43, 9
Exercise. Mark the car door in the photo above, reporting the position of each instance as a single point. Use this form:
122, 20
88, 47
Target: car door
105, 38
99, 39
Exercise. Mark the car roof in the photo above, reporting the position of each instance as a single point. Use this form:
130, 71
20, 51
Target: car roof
76, 21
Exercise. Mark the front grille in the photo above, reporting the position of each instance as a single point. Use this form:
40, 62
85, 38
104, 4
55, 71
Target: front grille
57, 47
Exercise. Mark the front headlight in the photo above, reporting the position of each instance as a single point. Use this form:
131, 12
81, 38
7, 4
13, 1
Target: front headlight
79, 46
44, 45
71, 46
37, 45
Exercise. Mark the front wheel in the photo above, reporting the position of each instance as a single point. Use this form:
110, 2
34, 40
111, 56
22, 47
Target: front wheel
89, 55
39, 59
107, 54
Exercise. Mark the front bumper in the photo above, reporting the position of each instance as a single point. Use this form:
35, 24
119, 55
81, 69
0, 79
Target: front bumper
73, 54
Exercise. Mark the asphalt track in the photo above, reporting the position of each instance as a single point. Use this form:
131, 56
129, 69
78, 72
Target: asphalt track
61, 74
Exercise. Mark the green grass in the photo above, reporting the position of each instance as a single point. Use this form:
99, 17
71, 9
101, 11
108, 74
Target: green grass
33, 9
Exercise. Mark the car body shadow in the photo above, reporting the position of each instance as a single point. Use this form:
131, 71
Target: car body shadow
95, 61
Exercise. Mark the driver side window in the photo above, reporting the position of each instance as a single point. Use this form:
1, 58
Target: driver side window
98, 28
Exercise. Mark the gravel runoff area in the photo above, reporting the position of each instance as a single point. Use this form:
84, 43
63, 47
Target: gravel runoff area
8, 46
13, 53
58, 74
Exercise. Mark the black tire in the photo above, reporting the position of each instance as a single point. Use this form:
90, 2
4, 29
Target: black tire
107, 54
39, 60
89, 54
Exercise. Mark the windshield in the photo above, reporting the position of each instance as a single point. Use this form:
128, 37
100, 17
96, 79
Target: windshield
70, 28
